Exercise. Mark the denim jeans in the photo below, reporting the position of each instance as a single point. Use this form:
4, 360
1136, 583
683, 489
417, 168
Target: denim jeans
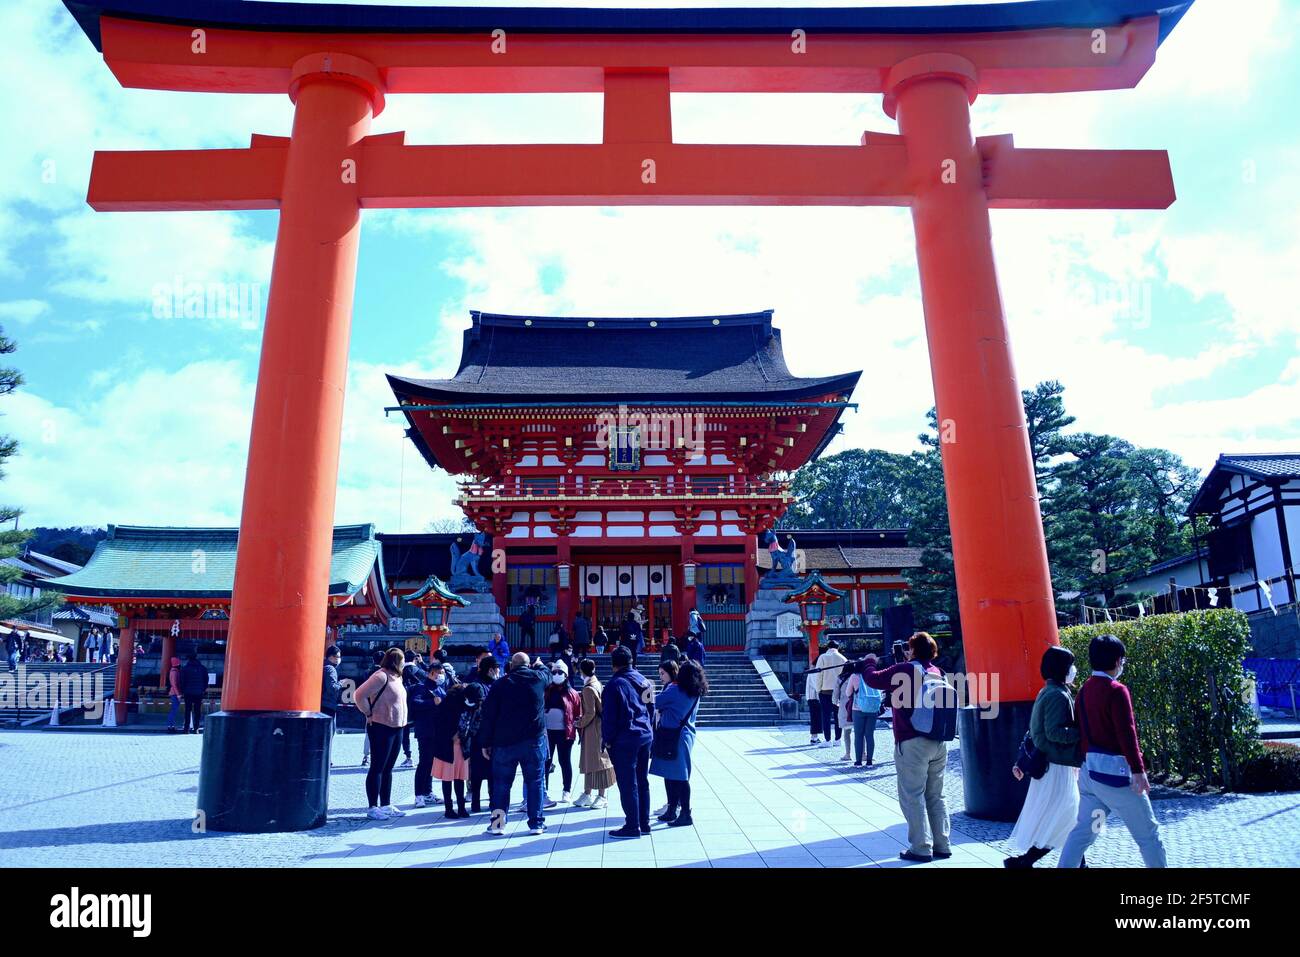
1098, 800
530, 758
631, 771
830, 716
864, 731
176, 710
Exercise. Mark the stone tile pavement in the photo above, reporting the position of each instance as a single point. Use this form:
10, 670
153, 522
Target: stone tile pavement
763, 799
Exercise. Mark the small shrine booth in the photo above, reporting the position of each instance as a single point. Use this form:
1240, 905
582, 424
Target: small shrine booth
171, 589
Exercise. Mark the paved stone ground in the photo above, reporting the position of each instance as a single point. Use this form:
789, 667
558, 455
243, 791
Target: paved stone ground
1234, 830
763, 799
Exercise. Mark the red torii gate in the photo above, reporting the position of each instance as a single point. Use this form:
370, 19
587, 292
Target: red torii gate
338, 63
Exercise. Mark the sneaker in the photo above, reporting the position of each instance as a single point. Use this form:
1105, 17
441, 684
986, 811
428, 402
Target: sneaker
857, 764
645, 828
812, 743
378, 814
584, 800
365, 761
599, 803
682, 820
539, 829
496, 829
915, 858
566, 797
662, 811
421, 800
395, 811
548, 802
408, 763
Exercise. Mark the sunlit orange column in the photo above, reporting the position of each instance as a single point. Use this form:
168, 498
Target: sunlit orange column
1005, 593
273, 662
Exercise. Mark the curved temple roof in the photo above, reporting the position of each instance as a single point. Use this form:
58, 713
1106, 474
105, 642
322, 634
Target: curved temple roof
368, 18
547, 359
164, 562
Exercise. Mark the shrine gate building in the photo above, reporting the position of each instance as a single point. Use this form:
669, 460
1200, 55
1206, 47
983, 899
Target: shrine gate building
624, 461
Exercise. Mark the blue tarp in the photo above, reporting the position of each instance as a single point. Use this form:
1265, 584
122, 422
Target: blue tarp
1274, 679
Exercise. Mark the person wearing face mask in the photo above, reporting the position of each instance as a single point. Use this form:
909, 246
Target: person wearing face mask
562, 708
450, 765
1052, 804
1113, 777
424, 701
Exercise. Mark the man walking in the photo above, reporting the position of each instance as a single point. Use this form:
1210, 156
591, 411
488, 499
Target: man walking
626, 735
512, 734
829, 663
1113, 777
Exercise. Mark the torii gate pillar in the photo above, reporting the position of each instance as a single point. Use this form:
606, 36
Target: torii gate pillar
1008, 614
270, 727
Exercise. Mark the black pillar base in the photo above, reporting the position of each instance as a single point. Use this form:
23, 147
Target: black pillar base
988, 750
264, 771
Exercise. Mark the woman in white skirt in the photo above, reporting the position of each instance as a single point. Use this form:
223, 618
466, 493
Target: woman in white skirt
1053, 800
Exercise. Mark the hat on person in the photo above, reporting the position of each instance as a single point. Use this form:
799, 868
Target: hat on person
559, 665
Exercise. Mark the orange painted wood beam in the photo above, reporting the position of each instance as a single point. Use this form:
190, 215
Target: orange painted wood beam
162, 56
391, 175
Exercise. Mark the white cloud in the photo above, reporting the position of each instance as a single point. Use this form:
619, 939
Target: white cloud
23, 310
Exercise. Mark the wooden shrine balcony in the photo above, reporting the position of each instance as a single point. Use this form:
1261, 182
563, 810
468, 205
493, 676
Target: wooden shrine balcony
624, 490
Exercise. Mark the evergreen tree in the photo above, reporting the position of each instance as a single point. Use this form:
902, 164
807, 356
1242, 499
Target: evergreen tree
11, 539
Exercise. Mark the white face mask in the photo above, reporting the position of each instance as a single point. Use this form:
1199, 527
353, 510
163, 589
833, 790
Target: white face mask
557, 679
1120, 671
1074, 673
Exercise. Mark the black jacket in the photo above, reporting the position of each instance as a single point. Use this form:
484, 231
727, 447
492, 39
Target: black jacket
194, 678
582, 633
627, 711
331, 689
512, 712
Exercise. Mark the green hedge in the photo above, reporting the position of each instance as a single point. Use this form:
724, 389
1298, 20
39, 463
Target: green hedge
1173, 662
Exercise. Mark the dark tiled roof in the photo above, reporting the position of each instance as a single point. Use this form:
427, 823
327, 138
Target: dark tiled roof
531, 358
836, 559
1264, 466
159, 562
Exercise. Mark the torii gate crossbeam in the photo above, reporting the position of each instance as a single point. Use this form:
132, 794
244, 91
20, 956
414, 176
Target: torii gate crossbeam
338, 63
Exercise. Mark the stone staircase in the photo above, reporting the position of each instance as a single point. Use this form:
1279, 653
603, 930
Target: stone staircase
36, 685
737, 696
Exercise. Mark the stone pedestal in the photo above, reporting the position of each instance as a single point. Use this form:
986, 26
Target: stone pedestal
760, 623
476, 623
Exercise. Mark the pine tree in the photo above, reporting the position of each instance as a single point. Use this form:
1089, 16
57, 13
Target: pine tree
12, 539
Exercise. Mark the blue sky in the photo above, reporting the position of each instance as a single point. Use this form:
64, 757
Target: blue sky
1175, 328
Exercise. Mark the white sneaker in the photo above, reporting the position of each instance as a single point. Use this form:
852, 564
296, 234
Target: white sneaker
421, 800
539, 829
566, 797
599, 803
378, 814
395, 811
662, 810
497, 830
584, 800
408, 763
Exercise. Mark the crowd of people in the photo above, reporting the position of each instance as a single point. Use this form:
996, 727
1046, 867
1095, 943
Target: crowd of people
513, 716
1081, 755
98, 645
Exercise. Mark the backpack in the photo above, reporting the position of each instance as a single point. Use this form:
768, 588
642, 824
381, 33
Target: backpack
867, 699
934, 714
